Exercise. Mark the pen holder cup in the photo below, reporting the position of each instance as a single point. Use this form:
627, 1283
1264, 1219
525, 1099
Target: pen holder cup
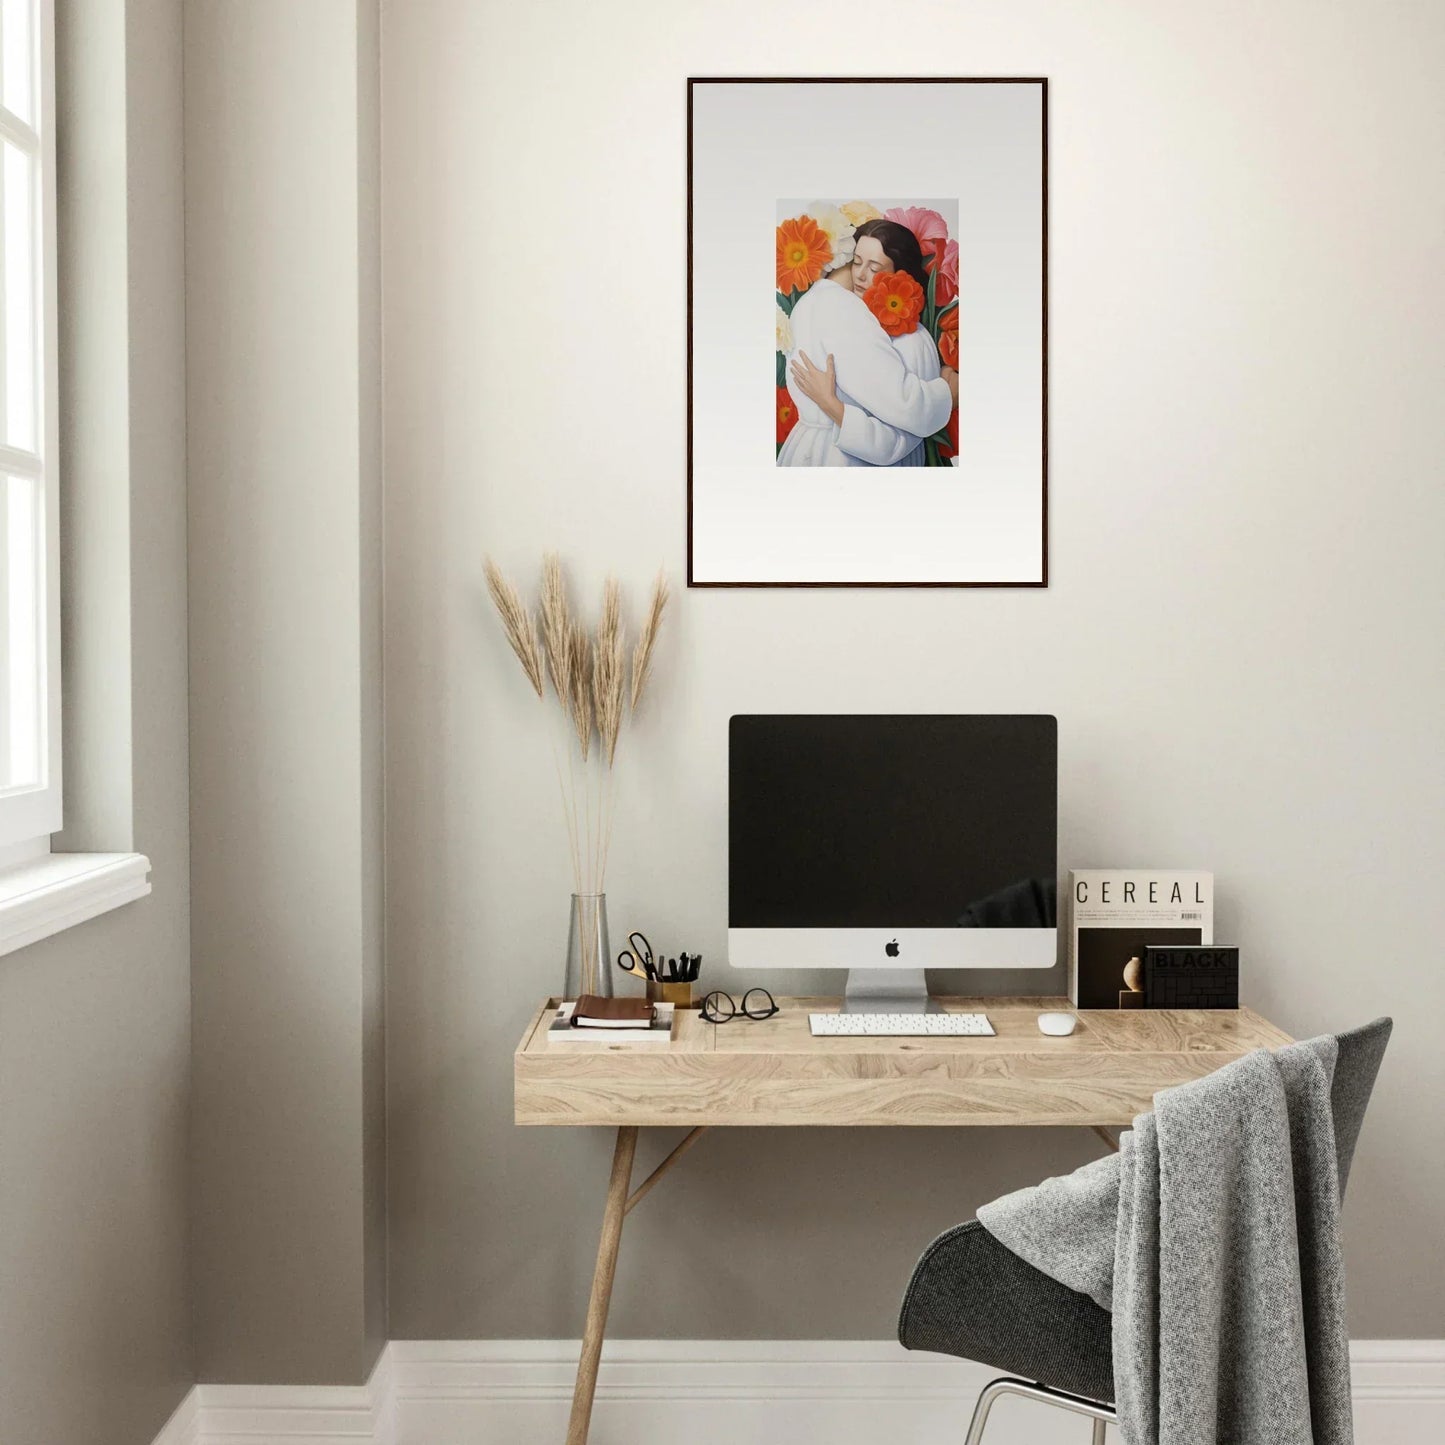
678, 994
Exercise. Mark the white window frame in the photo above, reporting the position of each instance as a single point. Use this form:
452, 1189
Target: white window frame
29, 815
42, 892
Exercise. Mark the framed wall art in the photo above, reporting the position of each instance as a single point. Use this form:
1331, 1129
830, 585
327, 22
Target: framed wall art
895, 434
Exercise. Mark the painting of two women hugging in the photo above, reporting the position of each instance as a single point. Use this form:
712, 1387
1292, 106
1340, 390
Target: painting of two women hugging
867, 334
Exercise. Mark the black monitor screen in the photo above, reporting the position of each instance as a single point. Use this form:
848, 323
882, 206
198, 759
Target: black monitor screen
892, 822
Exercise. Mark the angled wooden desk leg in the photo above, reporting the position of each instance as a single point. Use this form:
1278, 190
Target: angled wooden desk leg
602, 1276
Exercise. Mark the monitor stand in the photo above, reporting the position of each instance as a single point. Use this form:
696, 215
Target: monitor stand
887, 991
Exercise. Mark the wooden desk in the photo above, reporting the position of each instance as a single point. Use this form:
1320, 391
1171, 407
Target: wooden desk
773, 1072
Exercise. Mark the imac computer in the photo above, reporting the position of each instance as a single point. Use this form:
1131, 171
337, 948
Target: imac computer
887, 845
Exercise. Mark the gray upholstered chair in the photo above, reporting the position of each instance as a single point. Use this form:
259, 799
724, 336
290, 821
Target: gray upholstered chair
972, 1297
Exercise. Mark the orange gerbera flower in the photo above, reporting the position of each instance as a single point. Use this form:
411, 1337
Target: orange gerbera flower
803, 251
948, 338
895, 299
787, 414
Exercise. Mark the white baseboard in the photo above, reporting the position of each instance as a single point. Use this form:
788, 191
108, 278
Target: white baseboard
288, 1414
184, 1427
1399, 1391
708, 1392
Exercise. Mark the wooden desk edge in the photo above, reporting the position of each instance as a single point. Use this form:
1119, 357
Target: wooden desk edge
1027, 1086
544, 1013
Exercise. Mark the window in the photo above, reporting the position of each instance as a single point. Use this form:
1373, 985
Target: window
29, 557
41, 892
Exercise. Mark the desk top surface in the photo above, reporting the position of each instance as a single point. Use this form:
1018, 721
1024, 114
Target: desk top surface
774, 1072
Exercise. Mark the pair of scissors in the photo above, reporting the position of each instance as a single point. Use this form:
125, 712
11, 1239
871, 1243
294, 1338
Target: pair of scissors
637, 958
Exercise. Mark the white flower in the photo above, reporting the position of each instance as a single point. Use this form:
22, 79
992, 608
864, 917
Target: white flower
839, 231
783, 330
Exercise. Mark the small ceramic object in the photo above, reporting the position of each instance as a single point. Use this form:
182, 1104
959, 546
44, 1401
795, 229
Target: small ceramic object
1134, 975
1057, 1025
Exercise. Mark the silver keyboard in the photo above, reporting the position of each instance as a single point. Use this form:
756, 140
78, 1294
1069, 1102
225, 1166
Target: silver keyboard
911, 1026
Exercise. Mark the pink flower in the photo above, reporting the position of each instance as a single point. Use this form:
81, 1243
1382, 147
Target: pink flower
926, 225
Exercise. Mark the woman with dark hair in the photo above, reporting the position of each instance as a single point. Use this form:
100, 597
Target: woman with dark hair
837, 424
894, 248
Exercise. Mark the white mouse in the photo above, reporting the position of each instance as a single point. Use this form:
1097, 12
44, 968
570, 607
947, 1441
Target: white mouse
1057, 1024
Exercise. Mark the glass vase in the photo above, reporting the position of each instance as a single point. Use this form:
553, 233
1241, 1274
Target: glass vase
589, 957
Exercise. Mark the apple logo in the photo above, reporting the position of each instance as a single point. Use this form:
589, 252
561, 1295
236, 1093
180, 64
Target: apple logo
891, 949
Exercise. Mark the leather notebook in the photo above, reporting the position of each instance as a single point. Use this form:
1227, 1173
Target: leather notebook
594, 1012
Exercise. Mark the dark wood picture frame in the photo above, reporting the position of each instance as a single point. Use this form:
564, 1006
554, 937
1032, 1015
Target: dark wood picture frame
1042, 82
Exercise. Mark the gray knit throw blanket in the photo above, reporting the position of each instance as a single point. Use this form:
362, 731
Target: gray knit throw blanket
1213, 1235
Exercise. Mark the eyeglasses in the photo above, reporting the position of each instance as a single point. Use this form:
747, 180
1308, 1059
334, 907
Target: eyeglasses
718, 1007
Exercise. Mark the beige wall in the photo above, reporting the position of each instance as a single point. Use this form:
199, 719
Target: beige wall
1241, 639
285, 671
94, 1023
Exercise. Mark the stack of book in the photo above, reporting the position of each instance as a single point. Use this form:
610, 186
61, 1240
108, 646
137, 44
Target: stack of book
592, 1020
1116, 913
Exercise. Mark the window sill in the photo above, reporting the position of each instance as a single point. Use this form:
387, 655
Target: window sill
58, 891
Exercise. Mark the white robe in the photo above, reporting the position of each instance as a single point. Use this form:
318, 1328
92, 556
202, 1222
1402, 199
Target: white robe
892, 392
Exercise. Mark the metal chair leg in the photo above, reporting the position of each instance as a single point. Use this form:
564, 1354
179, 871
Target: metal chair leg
1099, 1413
989, 1394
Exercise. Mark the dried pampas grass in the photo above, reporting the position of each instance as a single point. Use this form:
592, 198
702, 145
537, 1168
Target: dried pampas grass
579, 687
609, 670
589, 677
517, 623
642, 653
556, 624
